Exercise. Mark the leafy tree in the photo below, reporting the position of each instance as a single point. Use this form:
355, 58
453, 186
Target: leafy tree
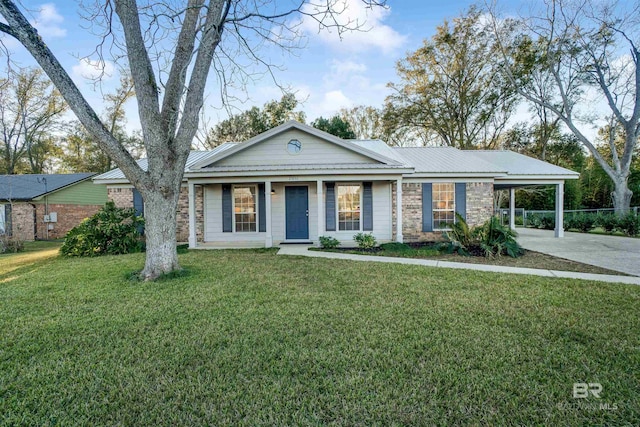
189, 39
80, 151
576, 50
252, 122
451, 87
30, 111
376, 123
335, 126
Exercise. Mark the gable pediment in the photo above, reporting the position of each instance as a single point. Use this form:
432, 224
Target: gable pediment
315, 148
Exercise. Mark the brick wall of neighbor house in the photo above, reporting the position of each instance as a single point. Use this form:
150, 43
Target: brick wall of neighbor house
22, 217
122, 197
68, 217
479, 209
182, 232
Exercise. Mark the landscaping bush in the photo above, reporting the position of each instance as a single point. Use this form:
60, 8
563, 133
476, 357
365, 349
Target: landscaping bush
111, 231
492, 239
10, 244
365, 240
546, 221
629, 224
327, 242
583, 222
607, 221
496, 239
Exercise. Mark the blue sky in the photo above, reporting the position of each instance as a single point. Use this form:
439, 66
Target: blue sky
328, 74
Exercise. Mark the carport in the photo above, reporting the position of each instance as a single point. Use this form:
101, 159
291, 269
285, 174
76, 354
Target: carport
523, 171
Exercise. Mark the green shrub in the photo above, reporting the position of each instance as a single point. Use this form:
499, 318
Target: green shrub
496, 239
110, 231
582, 221
493, 238
327, 242
10, 244
365, 240
546, 221
629, 224
608, 221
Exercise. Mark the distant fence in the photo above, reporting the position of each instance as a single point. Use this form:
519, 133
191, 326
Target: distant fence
503, 213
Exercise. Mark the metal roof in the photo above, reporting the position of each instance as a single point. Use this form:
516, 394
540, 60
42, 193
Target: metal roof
27, 187
440, 160
380, 147
516, 164
194, 157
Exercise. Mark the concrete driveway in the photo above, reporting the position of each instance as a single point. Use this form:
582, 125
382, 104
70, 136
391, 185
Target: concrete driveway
612, 252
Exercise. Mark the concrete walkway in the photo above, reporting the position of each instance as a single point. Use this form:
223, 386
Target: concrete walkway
302, 250
612, 252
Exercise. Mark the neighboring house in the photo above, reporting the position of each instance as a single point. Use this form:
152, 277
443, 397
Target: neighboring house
295, 183
47, 206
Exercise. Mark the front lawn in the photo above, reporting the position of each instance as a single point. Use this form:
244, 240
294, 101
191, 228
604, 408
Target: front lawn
252, 338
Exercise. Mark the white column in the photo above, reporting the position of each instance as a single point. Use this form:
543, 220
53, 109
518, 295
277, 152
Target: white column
192, 216
399, 237
559, 231
512, 208
319, 191
268, 241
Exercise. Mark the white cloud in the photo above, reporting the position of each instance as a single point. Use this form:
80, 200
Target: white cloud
93, 69
47, 21
367, 30
332, 102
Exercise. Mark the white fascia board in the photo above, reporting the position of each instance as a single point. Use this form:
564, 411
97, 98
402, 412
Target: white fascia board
125, 185
305, 173
292, 179
525, 178
468, 175
547, 181
458, 178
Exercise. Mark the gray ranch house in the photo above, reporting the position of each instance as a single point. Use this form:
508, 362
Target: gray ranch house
294, 183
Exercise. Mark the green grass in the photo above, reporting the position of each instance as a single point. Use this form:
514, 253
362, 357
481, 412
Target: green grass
252, 338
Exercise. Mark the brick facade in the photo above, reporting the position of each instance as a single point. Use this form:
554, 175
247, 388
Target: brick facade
479, 209
123, 198
68, 216
22, 221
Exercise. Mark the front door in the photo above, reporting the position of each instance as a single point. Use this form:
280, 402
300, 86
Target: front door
297, 212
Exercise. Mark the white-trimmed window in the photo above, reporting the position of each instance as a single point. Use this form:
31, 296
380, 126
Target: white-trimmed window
245, 208
444, 208
349, 207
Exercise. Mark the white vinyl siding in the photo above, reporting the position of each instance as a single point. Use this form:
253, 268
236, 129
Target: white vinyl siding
274, 152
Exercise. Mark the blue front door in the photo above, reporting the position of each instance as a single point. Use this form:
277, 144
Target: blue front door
297, 212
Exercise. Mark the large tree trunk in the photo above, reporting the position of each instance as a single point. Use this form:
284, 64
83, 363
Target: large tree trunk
160, 232
621, 195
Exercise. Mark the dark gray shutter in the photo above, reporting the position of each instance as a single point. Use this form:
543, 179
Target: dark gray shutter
427, 207
262, 209
367, 206
8, 221
461, 199
138, 203
330, 206
227, 209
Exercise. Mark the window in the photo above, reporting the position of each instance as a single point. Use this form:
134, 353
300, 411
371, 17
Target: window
443, 204
349, 207
2, 214
244, 208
